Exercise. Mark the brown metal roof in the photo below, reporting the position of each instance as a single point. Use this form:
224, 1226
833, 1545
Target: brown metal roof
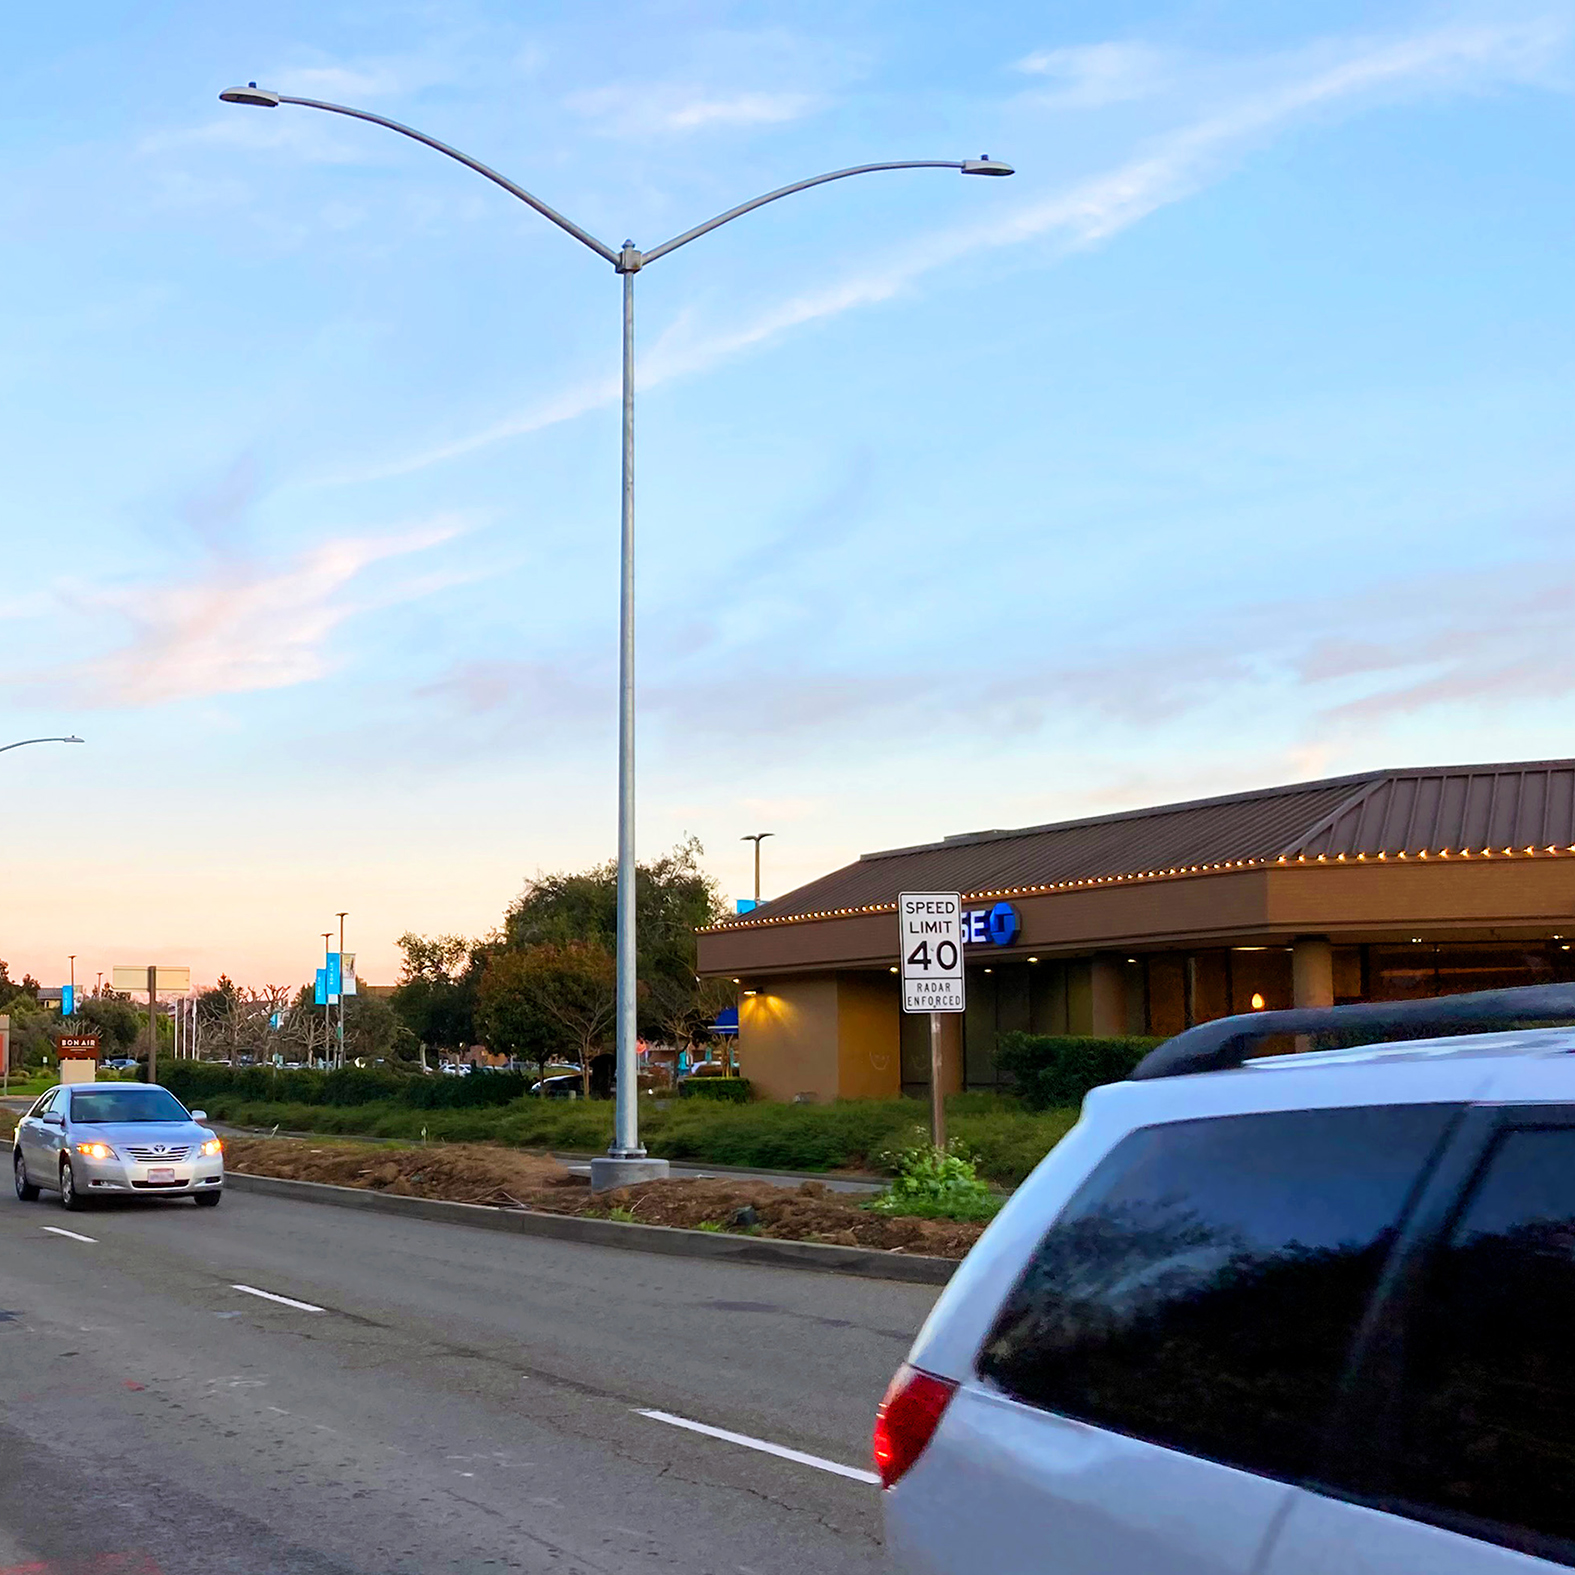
1520, 806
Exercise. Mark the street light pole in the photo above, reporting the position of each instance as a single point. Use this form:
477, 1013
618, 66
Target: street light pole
626, 1160
757, 837
328, 1000
341, 1056
22, 742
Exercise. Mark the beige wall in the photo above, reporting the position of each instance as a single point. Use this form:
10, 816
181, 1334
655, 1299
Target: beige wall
869, 1050
788, 1038
827, 1036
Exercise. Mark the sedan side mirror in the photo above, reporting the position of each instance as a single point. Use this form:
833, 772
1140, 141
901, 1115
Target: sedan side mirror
54, 1119
199, 1115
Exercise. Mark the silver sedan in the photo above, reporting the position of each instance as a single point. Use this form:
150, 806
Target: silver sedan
116, 1139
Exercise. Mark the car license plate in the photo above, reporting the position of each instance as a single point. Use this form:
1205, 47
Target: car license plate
162, 1173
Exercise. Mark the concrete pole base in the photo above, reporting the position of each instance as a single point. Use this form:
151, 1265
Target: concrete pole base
607, 1172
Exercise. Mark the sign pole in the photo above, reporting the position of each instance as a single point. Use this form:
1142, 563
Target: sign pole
937, 1097
5, 1054
153, 1023
934, 978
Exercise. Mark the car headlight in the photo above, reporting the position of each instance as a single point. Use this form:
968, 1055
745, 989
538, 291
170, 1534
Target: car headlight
212, 1146
96, 1150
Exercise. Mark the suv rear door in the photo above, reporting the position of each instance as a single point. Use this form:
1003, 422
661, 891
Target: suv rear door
1460, 1430
1168, 1361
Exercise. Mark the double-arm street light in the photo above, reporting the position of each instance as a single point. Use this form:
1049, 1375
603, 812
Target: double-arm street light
626, 1159
22, 742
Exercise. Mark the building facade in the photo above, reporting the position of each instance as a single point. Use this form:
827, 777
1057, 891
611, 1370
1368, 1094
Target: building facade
1383, 886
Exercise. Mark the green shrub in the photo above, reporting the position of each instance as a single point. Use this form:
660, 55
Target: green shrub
736, 1090
204, 1081
938, 1183
849, 1134
1059, 1069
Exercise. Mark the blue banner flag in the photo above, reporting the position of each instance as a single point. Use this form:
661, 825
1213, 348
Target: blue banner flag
68, 999
322, 987
334, 971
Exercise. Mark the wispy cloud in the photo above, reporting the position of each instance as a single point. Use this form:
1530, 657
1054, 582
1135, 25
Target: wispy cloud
1166, 170
237, 626
622, 109
1091, 75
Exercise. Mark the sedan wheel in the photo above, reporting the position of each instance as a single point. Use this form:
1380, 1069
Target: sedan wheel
25, 1189
69, 1195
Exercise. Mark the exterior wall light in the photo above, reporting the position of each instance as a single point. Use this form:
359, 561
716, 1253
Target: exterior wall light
1257, 1003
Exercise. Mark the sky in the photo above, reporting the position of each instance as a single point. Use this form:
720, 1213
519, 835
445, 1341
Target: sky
1226, 444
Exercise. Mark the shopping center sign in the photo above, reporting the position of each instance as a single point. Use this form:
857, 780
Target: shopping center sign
998, 925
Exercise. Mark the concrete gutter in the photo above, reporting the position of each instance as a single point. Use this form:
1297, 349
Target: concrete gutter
864, 1261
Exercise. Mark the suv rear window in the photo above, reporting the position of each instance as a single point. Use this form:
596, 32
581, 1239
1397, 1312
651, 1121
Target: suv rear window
1202, 1288
1487, 1429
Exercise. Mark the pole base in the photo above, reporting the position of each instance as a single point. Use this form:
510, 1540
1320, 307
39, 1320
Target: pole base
609, 1172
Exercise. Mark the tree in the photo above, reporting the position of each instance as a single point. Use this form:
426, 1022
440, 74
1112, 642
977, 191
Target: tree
436, 998
684, 1009
673, 898
553, 995
11, 989
374, 1031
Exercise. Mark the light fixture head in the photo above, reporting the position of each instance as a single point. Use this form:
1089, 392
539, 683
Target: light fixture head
251, 94
73, 740
985, 165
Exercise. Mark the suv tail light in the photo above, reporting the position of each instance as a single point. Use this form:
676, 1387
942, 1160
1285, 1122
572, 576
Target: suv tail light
907, 1419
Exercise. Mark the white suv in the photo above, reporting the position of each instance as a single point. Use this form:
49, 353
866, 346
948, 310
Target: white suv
1312, 1315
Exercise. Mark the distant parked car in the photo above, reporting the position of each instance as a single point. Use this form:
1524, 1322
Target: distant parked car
567, 1085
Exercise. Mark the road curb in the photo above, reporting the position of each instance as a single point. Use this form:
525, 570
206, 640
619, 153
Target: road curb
862, 1261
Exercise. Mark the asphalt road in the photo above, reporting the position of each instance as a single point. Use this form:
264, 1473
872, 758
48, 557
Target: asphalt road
463, 1401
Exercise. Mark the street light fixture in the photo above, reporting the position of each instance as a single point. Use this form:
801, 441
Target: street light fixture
21, 742
757, 837
626, 1161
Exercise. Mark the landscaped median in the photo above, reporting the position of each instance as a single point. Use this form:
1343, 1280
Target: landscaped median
510, 1180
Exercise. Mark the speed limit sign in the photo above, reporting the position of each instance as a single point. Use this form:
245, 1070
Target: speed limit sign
930, 947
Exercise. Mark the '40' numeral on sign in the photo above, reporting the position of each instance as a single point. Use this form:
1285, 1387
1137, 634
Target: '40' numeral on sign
945, 956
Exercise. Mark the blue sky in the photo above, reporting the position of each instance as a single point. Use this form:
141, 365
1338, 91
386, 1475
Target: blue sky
1226, 444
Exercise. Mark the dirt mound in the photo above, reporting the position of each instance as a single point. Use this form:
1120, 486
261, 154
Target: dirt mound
507, 1178
457, 1172
808, 1212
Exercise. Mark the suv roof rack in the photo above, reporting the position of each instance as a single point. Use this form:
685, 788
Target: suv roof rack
1226, 1043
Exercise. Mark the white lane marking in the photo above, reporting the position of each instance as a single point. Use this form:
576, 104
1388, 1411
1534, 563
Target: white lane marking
60, 1230
268, 1296
779, 1450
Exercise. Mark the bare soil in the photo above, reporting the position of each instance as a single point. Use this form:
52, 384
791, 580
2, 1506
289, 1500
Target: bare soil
506, 1178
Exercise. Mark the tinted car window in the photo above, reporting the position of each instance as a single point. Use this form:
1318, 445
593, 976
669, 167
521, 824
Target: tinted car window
1202, 1288
1488, 1429
108, 1105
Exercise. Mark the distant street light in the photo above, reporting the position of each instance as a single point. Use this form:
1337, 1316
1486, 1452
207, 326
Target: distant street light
23, 742
757, 837
626, 1161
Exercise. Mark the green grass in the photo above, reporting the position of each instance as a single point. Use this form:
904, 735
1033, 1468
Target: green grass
849, 1134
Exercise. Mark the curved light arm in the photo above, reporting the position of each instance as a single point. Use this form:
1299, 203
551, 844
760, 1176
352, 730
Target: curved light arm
787, 191
21, 741
583, 236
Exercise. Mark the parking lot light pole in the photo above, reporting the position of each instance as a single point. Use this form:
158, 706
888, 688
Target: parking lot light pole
626, 1160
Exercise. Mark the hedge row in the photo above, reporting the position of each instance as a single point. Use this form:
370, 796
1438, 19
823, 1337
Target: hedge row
860, 1134
200, 1082
730, 1090
1054, 1070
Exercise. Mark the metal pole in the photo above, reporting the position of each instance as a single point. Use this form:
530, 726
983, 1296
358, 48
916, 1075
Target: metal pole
328, 1002
937, 1097
626, 1138
153, 1025
341, 1056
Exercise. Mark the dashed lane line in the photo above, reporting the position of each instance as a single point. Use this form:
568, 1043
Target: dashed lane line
781, 1451
60, 1230
285, 1301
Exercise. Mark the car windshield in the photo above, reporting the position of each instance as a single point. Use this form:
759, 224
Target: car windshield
106, 1105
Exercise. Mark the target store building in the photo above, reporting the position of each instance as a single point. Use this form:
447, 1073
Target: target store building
1382, 886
